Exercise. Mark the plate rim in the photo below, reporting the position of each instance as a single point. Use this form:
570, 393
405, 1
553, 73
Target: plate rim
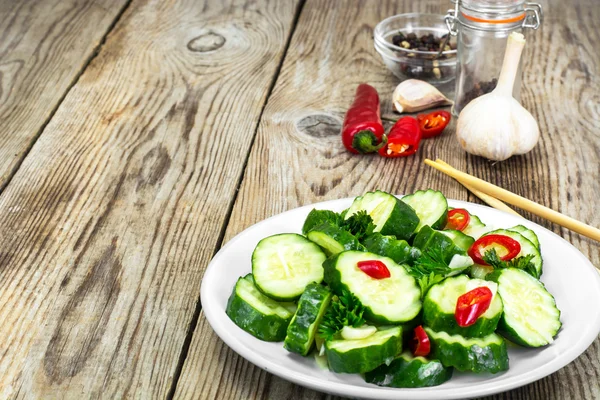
350, 390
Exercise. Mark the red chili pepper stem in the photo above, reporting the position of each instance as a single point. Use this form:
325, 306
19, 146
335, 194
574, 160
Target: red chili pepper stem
366, 142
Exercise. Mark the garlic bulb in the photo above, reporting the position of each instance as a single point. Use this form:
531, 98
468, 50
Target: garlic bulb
413, 95
495, 125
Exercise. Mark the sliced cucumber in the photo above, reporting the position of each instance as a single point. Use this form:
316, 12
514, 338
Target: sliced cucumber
478, 271
317, 217
311, 308
530, 316
283, 265
526, 248
431, 207
333, 239
439, 307
528, 233
388, 246
387, 301
461, 240
390, 215
429, 239
407, 371
487, 354
476, 228
255, 313
363, 355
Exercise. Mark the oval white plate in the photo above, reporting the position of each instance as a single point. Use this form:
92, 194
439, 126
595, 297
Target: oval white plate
568, 275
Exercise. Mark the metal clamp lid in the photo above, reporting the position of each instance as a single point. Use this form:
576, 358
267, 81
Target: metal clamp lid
532, 18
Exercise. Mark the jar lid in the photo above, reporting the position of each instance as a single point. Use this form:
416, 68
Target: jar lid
494, 15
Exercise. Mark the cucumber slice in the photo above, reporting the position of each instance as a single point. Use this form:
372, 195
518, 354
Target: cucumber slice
487, 354
387, 301
462, 241
390, 215
479, 271
476, 228
407, 371
311, 308
388, 246
429, 239
333, 239
431, 207
317, 217
439, 307
526, 248
528, 233
255, 313
363, 355
530, 316
282, 265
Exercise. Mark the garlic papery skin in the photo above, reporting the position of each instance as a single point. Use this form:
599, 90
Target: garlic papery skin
413, 95
495, 125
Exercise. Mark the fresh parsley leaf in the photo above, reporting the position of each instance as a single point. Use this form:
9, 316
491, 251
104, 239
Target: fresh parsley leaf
359, 224
347, 310
432, 260
521, 262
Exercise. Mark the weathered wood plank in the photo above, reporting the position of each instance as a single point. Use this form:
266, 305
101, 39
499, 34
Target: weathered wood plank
44, 47
111, 218
297, 159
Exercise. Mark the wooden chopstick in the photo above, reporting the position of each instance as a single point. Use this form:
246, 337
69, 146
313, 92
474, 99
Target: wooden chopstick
491, 201
518, 201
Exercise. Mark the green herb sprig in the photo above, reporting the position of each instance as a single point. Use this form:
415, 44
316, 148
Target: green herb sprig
521, 262
347, 310
430, 268
360, 224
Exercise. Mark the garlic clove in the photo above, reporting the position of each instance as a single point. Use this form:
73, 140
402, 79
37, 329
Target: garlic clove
413, 95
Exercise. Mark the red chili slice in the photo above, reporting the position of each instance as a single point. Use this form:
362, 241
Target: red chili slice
458, 219
472, 305
420, 345
374, 268
434, 123
506, 247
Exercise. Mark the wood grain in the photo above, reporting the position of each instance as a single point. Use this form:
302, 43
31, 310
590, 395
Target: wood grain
44, 46
109, 221
297, 159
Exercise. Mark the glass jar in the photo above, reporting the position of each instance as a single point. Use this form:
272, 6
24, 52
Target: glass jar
482, 27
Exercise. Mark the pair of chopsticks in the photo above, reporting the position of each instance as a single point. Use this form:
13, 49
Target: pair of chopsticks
492, 195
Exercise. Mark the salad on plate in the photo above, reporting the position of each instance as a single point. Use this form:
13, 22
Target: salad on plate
402, 291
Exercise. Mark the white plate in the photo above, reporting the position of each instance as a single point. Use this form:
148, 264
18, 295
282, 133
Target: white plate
568, 275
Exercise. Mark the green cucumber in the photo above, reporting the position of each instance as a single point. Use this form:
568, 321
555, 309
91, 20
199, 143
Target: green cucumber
311, 307
439, 307
530, 316
462, 241
317, 217
390, 215
407, 371
526, 248
333, 239
528, 233
283, 265
387, 301
475, 228
478, 271
257, 314
388, 246
487, 354
431, 207
363, 355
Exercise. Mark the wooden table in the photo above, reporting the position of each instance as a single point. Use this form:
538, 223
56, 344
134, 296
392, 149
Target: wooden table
137, 137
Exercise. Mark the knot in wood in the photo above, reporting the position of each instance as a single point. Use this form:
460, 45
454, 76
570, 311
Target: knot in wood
206, 42
319, 125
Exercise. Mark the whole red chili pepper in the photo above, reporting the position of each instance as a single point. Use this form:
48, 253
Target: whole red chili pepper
403, 139
434, 123
363, 131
